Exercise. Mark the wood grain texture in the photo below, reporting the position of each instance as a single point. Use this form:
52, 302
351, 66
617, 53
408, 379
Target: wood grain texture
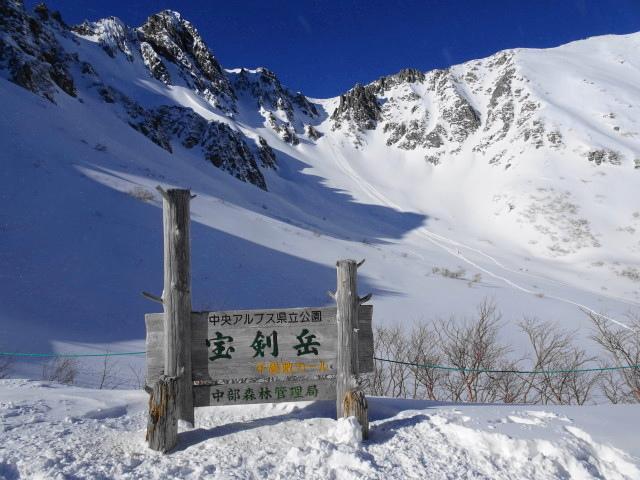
240, 369
177, 296
264, 392
355, 404
346, 317
162, 422
245, 362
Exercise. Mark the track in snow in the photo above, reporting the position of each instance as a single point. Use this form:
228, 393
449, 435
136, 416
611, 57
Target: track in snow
440, 240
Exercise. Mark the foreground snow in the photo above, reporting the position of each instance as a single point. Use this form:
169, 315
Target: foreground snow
52, 431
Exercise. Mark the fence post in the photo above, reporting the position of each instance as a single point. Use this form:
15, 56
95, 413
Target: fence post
176, 296
162, 422
172, 396
350, 400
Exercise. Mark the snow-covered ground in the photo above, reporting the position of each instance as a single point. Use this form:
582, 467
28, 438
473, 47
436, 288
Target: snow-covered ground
51, 431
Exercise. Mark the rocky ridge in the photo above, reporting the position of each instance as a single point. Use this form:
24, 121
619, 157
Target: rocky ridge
35, 53
483, 107
441, 112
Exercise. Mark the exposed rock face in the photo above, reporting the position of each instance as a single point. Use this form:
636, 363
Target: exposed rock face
30, 54
405, 76
358, 106
177, 41
312, 133
168, 126
457, 114
265, 152
154, 63
283, 111
113, 35
604, 156
223, 146
476, 106
264, 85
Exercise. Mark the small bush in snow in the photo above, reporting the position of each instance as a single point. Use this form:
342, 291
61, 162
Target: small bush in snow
61, 370
141, 193
5, 366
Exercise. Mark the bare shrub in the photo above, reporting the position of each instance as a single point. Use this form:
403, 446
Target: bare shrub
61, 370
6, 364
445, 272
467, 362
623, 350
472, 346
423, 351
477, 278
389, 379
139, 376
142, 194
555, 357
109, 374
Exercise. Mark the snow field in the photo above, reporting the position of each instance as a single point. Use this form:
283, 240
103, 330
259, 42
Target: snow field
52, 431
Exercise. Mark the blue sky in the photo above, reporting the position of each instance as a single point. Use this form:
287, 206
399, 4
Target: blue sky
323, 48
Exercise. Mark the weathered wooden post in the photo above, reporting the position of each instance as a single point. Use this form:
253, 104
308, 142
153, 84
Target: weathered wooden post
172, 395
162, 423
350, 399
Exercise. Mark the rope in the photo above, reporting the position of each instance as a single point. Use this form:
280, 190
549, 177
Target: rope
525, 372
68, 355
420, 365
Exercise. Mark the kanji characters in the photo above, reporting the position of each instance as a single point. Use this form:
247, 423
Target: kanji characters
262, 341
307, 344
248, 394
296, 392
217, 395
265, 393
220, 350
312, 391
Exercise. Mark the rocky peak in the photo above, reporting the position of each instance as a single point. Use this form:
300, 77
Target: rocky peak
176, 40
286, 113
404, 76
30, 54
358, 106
44, 14
113, 35
270, 94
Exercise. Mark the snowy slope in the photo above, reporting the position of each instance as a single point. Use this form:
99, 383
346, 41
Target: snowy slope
519, 167
51, 431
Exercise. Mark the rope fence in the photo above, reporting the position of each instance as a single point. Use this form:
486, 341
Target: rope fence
419, 365
68, 355
523, 372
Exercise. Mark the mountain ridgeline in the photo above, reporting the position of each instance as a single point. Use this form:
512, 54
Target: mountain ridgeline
481, 108
37, 52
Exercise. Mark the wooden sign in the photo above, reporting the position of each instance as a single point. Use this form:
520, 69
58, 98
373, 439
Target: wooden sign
264, 392
241, 357
264, 343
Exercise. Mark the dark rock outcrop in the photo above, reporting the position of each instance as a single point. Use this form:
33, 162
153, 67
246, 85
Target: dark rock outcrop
224, 147
177, 41
360, 106
30, 54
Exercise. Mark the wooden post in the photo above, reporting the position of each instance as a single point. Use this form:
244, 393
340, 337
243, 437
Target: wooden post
162, 423
176, 297
350, 401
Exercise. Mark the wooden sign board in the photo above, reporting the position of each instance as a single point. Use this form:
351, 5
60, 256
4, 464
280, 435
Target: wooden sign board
264, 392
255, 344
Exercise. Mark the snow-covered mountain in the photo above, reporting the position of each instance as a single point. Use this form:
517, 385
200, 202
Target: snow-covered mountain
516, 174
